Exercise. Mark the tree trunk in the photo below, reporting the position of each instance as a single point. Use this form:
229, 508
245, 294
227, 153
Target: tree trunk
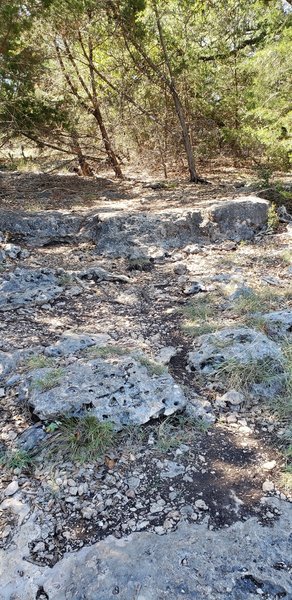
108, 147
85, 168
170, 81
185, 135
95, 111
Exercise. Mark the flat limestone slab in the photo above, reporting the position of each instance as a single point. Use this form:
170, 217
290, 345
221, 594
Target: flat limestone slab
242, 562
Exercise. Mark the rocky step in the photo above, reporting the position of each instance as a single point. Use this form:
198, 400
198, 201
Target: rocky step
140, 234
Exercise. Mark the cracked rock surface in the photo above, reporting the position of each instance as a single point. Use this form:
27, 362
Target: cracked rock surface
119, 389
140, 304
243, 562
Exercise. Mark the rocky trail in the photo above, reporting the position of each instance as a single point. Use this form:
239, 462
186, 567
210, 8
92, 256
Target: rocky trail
164, 312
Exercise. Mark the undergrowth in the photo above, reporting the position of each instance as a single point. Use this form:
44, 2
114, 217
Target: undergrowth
48, 381
201, 315
83, 438
105, 351
39, 361
153, 367
178, 429
20, 459
242, 376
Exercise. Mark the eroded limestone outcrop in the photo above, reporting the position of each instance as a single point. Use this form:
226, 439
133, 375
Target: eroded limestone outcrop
104, 381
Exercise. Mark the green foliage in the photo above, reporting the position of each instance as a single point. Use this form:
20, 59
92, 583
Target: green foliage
39, 361
273, 218
83, 438
260, 300
179, 429
50, 380
200, 316
241, 376
105, 351
19, 459
153, 367
229, 62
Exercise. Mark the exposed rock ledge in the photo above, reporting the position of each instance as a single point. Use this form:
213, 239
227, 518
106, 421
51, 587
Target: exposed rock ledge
140, 233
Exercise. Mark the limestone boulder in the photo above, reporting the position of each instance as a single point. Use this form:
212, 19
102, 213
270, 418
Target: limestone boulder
240, 218
48, 227
24, 287
278, 324
242, 345
118, 389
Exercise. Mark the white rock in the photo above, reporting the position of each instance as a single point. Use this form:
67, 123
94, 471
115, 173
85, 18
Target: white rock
201, 504
165, 354
233, 397
11, 488
269, 465
39, 547
17, 507
87, 513
231, 419
268, 486
2, 392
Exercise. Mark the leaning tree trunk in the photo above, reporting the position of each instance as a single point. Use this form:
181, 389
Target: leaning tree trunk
107, 144
185, 135
179, 109
85, 168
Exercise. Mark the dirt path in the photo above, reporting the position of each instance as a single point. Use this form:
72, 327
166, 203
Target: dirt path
199, 478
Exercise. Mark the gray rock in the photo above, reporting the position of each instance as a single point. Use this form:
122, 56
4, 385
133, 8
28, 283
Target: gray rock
11, 489
278, 324
166, 354
118, 389
41, 228
200, 409
233, 397
30, 438
242, 345
13, 380
99, 274
241, 217
273, 387
201, 504
14, 252
242, 292
242, 562
268, 486
143, 235
194, 288
72, 343
172, 469
8, 362
26, 287
14, 505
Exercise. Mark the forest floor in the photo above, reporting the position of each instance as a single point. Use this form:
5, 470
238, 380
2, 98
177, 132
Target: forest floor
193, 505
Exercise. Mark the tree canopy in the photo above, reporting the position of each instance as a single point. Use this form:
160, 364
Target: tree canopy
174, 82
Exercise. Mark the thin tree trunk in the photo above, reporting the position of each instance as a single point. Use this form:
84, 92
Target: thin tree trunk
177, 103
98, 116
93, 109
185, 135
169, 81
108, 147
85, 168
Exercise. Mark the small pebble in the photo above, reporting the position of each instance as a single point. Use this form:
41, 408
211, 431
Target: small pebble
11, 488
268, 486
